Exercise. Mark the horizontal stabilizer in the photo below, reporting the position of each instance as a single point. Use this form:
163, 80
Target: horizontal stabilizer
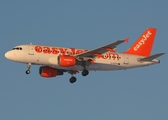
150, 58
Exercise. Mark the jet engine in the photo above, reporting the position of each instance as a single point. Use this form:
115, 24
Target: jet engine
66, 61
49, 72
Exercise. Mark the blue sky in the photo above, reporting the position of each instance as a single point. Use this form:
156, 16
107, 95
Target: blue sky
139, 93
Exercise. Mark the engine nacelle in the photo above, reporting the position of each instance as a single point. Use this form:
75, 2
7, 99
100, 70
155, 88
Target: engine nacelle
49, 72
66, 61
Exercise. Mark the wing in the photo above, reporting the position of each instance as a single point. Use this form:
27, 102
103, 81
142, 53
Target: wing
102, 49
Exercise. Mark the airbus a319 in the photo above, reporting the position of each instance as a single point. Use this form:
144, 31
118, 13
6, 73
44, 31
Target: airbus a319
55, 61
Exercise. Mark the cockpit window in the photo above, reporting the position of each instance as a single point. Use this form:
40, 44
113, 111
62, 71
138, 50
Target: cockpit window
17, 48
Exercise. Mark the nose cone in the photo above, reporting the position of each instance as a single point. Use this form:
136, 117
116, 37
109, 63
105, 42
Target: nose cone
7, 55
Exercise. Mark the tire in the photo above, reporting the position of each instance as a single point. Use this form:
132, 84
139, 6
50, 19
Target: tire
85, 72
72, 79
27, 71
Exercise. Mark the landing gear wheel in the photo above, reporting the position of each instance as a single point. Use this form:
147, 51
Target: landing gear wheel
27, 71
85, 72
28, 66
72, 79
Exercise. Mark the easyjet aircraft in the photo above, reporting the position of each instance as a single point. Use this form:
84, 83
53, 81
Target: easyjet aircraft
55, 61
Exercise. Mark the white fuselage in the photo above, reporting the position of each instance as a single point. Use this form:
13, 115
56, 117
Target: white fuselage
47, 55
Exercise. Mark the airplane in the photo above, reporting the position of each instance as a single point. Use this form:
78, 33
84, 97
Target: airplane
55, 61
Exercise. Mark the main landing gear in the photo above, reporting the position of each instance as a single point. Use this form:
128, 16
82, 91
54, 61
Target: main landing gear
28, 68
85, 72
73, 79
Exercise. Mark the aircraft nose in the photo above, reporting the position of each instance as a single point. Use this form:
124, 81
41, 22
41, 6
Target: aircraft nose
7, 55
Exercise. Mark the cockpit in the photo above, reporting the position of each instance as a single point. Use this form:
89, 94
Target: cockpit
17, 48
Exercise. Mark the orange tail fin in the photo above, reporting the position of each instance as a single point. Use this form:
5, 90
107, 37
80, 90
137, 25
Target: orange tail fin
143, 45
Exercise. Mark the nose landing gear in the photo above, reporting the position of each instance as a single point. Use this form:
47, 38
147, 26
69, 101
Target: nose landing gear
28, 70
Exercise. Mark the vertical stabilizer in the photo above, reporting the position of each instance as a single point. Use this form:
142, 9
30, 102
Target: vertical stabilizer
143, 46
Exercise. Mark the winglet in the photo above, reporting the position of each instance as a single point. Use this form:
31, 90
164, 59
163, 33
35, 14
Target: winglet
126, 39
143, 45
